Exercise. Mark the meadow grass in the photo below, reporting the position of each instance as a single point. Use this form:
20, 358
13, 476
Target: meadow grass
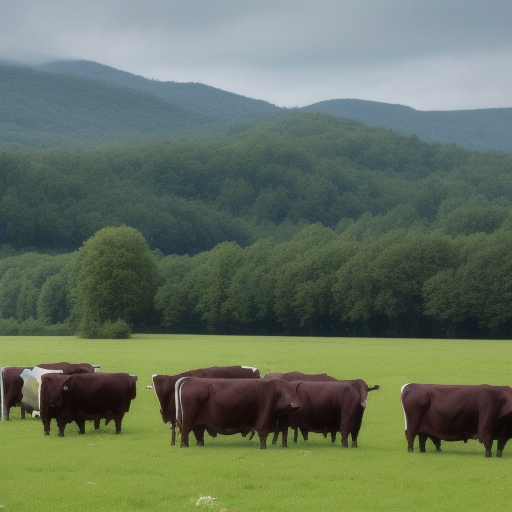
139, 470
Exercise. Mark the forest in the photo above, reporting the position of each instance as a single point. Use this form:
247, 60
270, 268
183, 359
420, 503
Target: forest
306, 224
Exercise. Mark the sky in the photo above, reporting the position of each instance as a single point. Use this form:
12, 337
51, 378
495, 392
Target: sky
426, 54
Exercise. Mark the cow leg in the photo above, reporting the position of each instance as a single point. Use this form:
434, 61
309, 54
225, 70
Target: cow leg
504, 434
96, 423
199, 434
344, 439
437, 442
263, 441
305, 433
118, 422
354, 433
81, 426
295, 434
62, 426
184, 439
410, 435
333, 437
173, 434
422, 441
285, 437
23, 411
6, 413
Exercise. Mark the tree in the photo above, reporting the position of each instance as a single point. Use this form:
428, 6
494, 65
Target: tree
116, 281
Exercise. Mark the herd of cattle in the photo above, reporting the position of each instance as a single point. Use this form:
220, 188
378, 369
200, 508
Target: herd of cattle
237, 399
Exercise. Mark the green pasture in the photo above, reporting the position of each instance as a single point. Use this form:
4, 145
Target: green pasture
139, 470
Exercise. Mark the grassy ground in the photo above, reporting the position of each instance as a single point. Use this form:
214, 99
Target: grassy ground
139, 470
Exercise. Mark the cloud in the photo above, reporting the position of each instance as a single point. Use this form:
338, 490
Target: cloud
429, 54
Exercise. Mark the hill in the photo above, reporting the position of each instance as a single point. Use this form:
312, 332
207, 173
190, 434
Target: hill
308, 224
195, 97
82, 104
270, 180
481, 130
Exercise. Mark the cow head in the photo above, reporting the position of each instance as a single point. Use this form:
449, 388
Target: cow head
164, 390
53, 388
286, 397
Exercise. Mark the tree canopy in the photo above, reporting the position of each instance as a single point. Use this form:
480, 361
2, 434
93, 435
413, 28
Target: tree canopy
115, 282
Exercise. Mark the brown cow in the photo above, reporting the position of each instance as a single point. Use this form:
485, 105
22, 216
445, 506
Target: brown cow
358, 384
457, 413
12, 383
164, 389
230, 406
328, 407
69, 398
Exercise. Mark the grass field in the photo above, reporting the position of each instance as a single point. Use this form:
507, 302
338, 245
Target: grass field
139, 470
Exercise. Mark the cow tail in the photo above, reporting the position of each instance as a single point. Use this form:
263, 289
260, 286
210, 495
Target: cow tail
402, 402
178, 402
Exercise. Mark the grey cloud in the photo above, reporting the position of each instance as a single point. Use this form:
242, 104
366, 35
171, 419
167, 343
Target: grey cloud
289, 52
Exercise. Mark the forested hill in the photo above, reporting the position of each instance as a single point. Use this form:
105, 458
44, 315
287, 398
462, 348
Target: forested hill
481, 129
271, 180
81, 104
308, 224
41, 110
195, 97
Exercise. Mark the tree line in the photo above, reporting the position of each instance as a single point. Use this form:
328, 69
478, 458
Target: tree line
367, 281
302, 225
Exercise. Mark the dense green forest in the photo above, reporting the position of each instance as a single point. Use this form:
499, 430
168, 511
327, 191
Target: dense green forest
307, 224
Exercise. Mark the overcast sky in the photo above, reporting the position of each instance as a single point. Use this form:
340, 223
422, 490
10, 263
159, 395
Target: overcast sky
427, 54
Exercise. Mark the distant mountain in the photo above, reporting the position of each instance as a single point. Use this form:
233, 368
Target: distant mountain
39, 109
480, 130
82, 104
195, 97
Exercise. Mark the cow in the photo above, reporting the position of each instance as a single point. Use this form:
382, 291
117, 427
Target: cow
12, 383
164, 389
80, 397
358, 384
457, 413
327, 407
230, 406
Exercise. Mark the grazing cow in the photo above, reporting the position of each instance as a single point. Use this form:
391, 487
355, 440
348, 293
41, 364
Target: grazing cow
85, 396
328, 407
231, 406
164, 389
12, 383
358, 384
457, 413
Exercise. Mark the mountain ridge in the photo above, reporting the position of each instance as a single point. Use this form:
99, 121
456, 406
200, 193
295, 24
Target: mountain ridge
129, 107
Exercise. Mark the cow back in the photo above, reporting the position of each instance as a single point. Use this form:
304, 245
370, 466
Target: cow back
68, 368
